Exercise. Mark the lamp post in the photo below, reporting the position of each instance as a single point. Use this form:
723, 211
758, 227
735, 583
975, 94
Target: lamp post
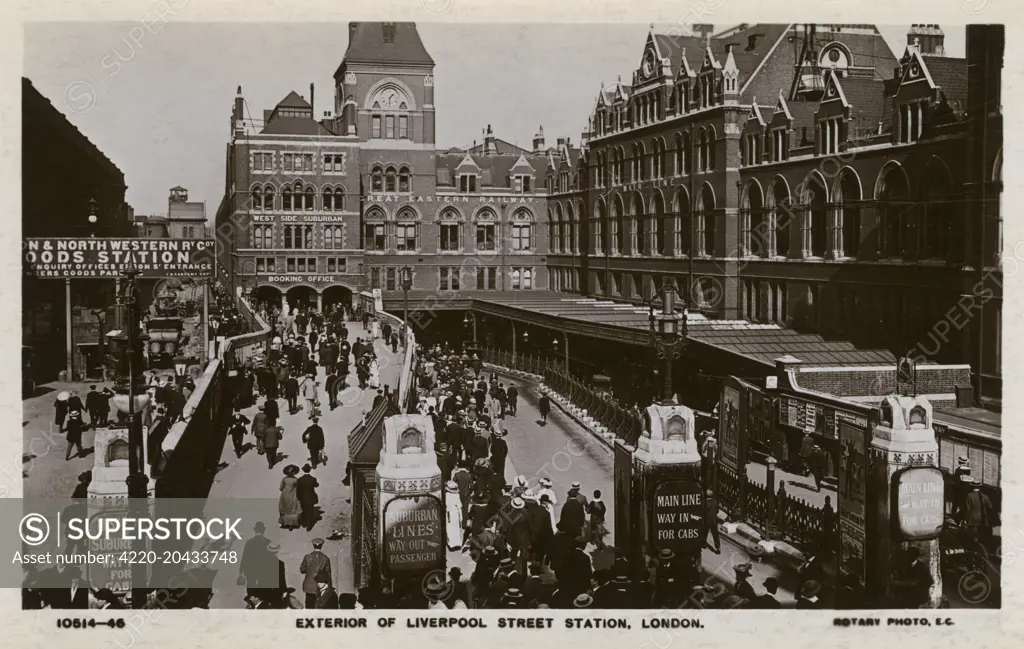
668, 337
470, 317
406, 285
180, 363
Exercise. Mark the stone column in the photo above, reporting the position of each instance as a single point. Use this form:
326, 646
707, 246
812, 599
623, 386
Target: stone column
903, 438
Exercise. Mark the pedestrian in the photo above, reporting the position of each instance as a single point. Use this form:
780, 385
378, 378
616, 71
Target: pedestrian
271, 439
544, 406
711, 520
573, 516
259, 424
326, 597
305, 490
313, 438
75, 425
767, 600
316, 568
519, 536
977, 510
499, 453
291, 392
271, 410
60, 410
331, 385
92, 407
309, 393
598, 511
238, 426
708, 453
539, 518
254, 568
513, 399
288, 502
454, 523
743, 587
464, 479
394, 342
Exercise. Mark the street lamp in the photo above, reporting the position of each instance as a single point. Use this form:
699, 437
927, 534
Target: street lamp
180, 363
93, 217
468, 318
668, 337
406, 285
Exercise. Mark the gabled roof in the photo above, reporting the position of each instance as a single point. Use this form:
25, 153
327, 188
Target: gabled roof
293, 100
763, 38
501, 147
756, 112
366, 45
866, 99
948, 74
782, 106
294, 126
498, 167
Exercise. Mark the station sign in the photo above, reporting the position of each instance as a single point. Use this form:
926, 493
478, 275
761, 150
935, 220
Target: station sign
677, 516
919, 505
308, 279
98, 257
414, 535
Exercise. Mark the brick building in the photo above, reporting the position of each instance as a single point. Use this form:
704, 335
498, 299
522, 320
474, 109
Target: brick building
316, 210
56, 154
801, 176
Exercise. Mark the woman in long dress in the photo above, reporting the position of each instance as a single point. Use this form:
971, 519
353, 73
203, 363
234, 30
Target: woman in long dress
454, 525
375, 329
288, 503
374, 373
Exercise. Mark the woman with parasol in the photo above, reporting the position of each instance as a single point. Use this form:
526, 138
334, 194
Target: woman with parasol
288, 504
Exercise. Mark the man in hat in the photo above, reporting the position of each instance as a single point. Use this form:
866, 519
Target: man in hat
271, 440
237, 430
913, 581
257, 568
326, 597
316, 568
977, 509
807, 598
711, 520
743, 587
708, 453
519, 535
271, 410
767, 600
544, 406
291, 393
313, 438
457, 589
499, 453
331, 387
512, 398
573, 516
478, 444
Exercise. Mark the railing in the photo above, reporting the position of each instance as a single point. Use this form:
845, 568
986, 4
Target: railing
407, 377
624, 423
779, 518
188, 455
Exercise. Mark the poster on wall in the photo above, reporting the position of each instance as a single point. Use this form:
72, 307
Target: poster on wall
729, 428
852, 496
413, 535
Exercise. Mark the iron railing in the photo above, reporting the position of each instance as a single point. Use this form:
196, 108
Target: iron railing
626, 424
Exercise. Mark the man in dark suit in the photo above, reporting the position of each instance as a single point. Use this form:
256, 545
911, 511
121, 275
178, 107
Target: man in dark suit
257, 563
271, 410
73, 593
314, 439
291, 392
326, 598
767, 600
316, 568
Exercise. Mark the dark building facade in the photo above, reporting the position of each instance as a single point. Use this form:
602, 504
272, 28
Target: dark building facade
802, 176
56, 154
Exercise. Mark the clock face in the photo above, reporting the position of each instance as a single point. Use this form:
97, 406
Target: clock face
649, 64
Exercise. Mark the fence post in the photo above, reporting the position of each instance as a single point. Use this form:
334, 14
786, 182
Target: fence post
770, 503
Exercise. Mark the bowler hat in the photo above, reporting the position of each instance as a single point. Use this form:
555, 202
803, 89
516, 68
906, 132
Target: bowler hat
666, 555
259, 527
743, 569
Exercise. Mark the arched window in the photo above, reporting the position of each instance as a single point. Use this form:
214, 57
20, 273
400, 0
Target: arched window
389, 113
522, 229
308, 194
706, 221
486, 230
709, 155
404, 180
257, 198
390, 180
555, 229
377, 179
328, 199
450, 230
286, 199
268, 197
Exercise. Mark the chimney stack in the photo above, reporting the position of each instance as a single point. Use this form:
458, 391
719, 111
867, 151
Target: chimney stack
238, 115
929, 39
352, 31
538, 141
561, 142
703, 30
311, 104
489, 146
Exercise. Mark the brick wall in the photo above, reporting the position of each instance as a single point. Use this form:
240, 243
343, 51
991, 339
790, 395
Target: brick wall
879, 381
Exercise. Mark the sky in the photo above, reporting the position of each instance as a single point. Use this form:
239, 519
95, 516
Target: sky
158, 102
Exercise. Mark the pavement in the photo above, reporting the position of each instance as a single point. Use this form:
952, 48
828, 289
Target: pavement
44, 471
797, 485
249, 477
566, 451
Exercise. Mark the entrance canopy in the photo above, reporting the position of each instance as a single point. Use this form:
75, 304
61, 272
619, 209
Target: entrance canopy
629, 323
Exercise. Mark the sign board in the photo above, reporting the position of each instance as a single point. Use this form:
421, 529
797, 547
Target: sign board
852, 497
116, 574
677, 520
729, 428
413, 535
920, 503
96, 257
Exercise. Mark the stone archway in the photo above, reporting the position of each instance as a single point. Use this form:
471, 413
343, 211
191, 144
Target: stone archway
269, 295
301, 297
336, 294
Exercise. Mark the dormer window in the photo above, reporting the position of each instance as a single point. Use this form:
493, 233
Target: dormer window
388, 32
829, 135
521, 184
467, 183
780, 144
911, 121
